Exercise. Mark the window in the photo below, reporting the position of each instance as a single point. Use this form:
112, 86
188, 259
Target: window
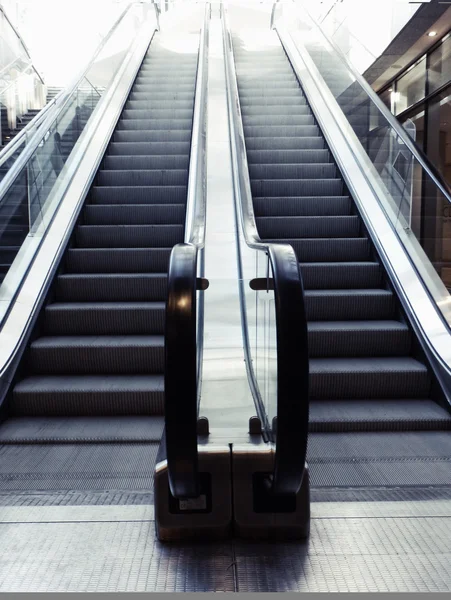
439, 71
411, 87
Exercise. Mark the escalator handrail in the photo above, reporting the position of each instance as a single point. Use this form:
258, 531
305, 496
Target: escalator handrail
183, 329
417, 152
53, 115
291, 322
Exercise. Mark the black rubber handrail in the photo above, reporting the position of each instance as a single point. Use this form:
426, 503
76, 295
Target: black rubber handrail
180, 376
291, 322
184, 316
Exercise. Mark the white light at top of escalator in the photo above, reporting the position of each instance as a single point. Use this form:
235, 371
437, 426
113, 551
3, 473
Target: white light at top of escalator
432, 33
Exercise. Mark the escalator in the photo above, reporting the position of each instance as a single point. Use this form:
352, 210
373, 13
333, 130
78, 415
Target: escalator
85, 409
377, 414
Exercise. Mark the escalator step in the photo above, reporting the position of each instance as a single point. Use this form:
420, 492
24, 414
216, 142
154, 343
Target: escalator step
154, 104
129, 236
285, 143
129, 194
302, 206
157, 113
150, 149
8, 253
358, 338
118, 214
308, 227
157, 78
356, 305
255, 88
260, 110
292, 171
297, 131
276, 120
115, 354
329, 249
160, 98
276, 100
285, 97
118, 260
142, 177
297, 187
78, 430
304, 157
370, 378
89, 395
106, 318
135, 162
154, 125
172, 87
341, 275
111, 287
346, 416
170, 135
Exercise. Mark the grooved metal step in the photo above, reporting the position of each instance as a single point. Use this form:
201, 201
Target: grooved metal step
292, 171
370, 378
297, 131
84, 395
341, 305
358, 338
150, 194
329, 249
149, 149
113, 354
136, 162
118, 260
81, 430
170, 135
141, 177
129, 236
345, 416
302, 206
284, 109
297, 187
117, 214
154, 125
309, 227
341, 275
113, 287
314, 142
274, 157
105, 318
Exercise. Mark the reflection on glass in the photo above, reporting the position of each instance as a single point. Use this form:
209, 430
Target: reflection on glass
409, 195
29, 204
440, 66
265, 358
386, 98
410, 88
414, 125
438, 223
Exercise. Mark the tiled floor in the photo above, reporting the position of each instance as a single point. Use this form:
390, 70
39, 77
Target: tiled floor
362, 546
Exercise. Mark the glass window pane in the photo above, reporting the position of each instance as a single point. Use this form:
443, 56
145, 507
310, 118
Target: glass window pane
440, 66
414, 125
438, 222
411, 87
386, 97
439, 133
